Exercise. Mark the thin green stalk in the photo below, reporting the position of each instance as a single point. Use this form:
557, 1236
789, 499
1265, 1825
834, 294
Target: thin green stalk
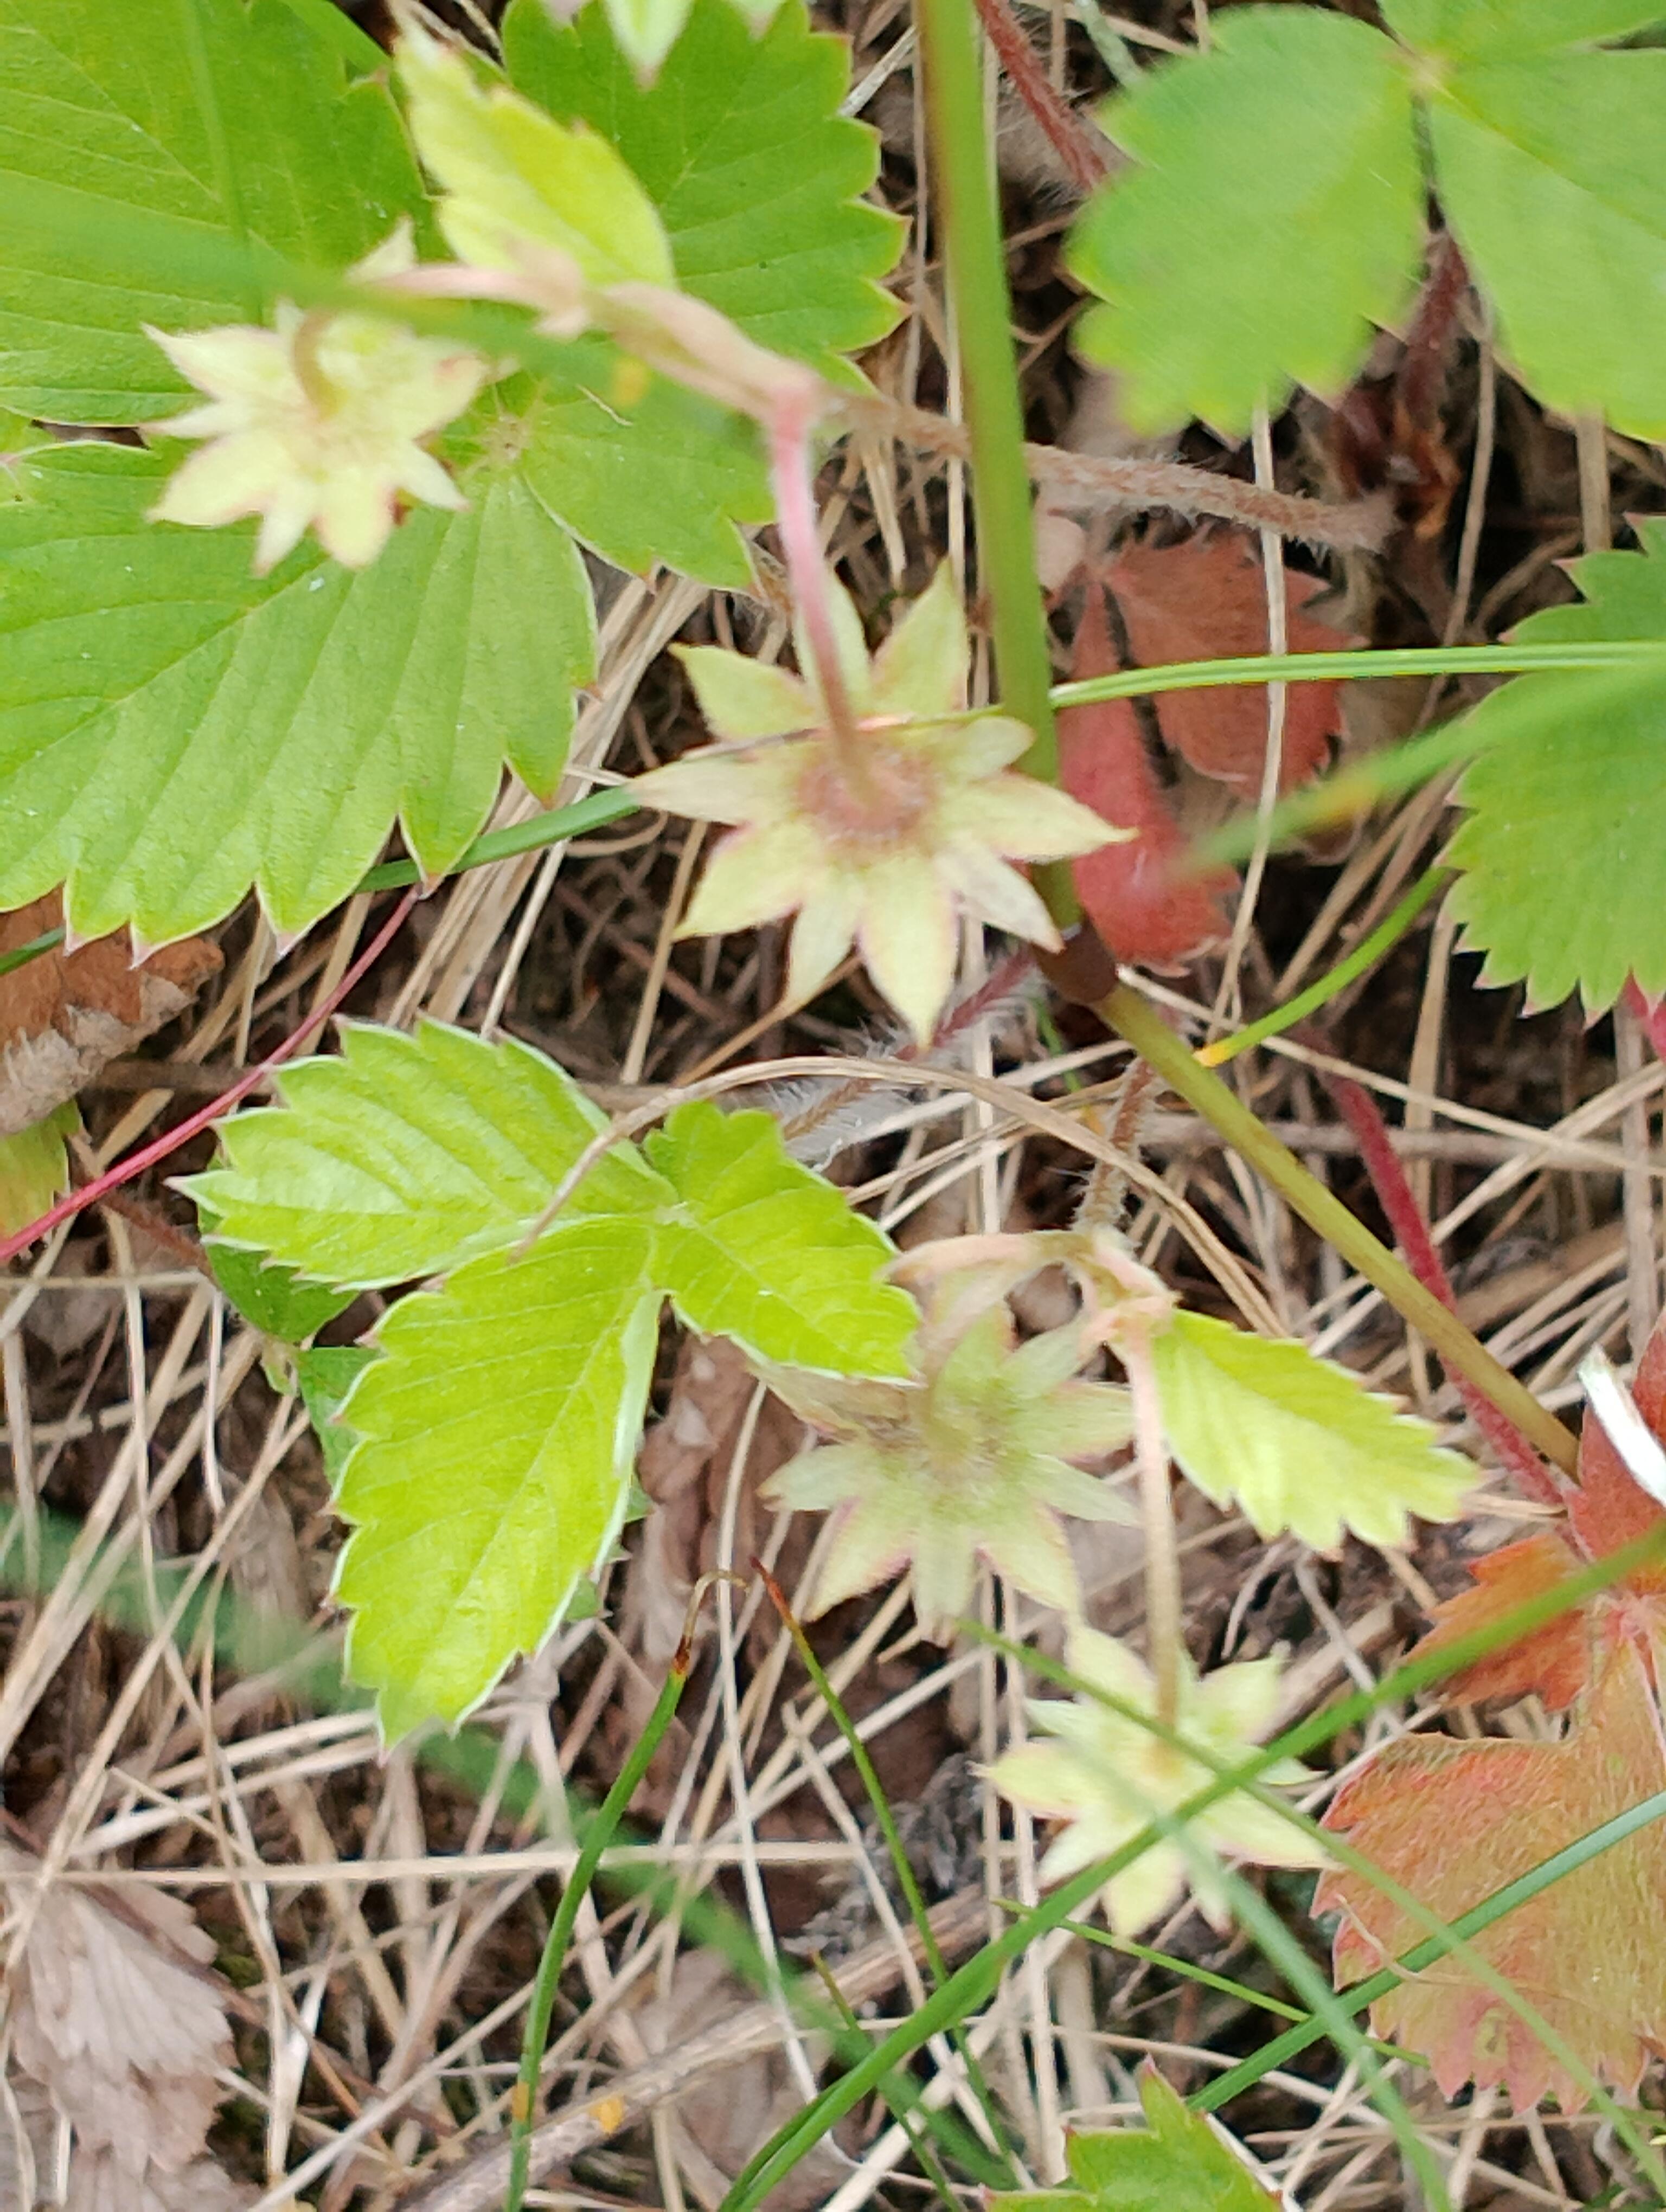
1137, 1021
925, 2156
1364, 955
597, 1835
593, 812
1331, 667
21, 955
975, 252
936, 1964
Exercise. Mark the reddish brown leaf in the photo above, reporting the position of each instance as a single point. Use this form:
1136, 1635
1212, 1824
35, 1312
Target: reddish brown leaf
1206, 600
1150, 908
1452, 1822
64, 1015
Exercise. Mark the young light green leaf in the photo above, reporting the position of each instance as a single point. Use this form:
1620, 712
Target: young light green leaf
1563, 223
1180, 2161
739, 144
407, 1155
764, 1250
637, 467
1296, 1441
1273, 214
1473, 30
263, 731
326, 1375
274, 1299
514, 182
34, 1167
493, 1470
1564, 848
100, 106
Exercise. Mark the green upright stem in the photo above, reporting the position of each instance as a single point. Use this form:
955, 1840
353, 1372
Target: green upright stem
976, 258
1137, 1020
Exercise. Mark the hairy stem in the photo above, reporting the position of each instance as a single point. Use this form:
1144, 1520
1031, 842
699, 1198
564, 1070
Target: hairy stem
1083, 160
1164, 1615
1136, 1019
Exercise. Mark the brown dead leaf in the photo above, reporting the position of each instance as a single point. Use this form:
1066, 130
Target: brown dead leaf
114, 2016
1206, 600
100, 2182
65, 1015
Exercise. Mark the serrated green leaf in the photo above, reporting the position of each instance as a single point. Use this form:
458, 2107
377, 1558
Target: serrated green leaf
1178, 2162
274, 1299
1469, 29
1274, 213
326, 1375
512, 177
407, 1155
102, 102
1563, 853
740, 143
174, 729
34, 1167
647, 30
1540, 170
1296, 1441
761, 1250
641, 471
493, 1470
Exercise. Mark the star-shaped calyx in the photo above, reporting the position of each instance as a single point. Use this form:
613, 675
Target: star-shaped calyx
879, 817
978, 1460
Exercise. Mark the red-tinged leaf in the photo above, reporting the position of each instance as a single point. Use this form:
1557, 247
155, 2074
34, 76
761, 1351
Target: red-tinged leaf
1609, 1511
1206, 600
1452, 1822
1554, 1661
1150, 906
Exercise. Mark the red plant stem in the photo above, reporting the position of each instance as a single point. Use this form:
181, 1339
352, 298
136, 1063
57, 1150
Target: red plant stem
77, 1201
1083, 164
1382, 1163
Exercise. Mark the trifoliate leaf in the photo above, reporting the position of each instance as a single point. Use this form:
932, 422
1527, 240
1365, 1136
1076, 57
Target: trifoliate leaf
274, 1299
493, 1470
34, 1167
1296, 1441
179, 729
977, 1461
326, 1375
1179, 2160
637, 467
1471, 30
1452, 1822
105, 114
409, 1154
1106, 1775
1564, 852
764, 1250
514, 182
1273, 213
1564, 225
739, 144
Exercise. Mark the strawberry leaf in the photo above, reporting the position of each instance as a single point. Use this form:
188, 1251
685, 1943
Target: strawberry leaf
493, 1470
1296, 1441
34, 1167
263, 730
326, 1375
1180, 2158
740, 143
276, 1300
1564, 852
104, 113
409, 1154
1452, 1822
1469, 29
759, 1248
1564, 227
1273, 212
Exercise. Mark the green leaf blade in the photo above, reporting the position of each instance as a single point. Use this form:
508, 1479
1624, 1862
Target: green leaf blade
107, 96
34, 1167
1273, 215
1564, 224
175, 730
326, 1375
1563, 848
740, 143
1471, 30
761, 1250
408, 1155
497, 1434
1296, 1441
